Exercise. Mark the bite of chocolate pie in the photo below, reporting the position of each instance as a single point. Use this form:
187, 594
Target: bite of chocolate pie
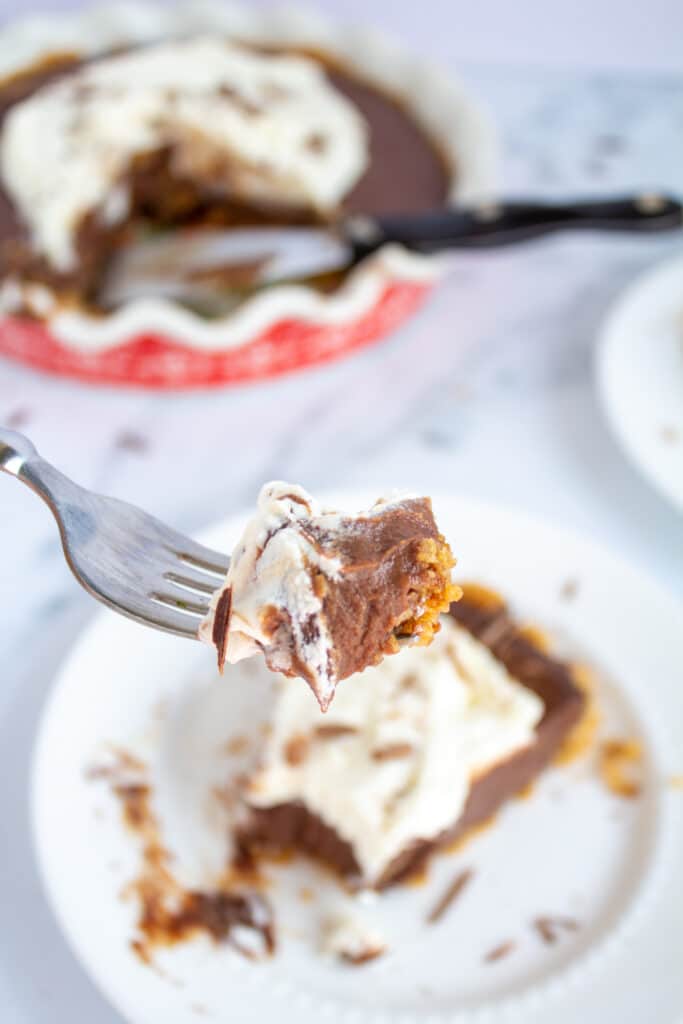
324, 594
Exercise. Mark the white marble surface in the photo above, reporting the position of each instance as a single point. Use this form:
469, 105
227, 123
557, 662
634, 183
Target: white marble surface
489, 391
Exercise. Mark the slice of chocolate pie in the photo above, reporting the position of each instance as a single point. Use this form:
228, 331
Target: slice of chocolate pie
324, 594
413, 753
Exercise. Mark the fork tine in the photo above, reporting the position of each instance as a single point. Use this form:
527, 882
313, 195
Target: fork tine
196, 582
199, 557
180, 602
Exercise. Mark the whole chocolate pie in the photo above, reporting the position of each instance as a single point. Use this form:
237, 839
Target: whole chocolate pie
200, 131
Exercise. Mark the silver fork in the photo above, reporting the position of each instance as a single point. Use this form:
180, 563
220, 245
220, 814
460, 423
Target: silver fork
122, 556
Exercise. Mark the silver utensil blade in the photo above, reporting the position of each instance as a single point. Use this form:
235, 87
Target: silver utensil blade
190, 263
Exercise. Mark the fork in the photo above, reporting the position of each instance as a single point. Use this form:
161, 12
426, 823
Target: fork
125, 558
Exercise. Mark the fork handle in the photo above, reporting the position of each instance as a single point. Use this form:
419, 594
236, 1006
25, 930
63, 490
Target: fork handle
20, 458
15, 451
505, 223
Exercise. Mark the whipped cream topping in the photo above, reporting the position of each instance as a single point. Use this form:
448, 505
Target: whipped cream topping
258, 128
393, 760
273, 567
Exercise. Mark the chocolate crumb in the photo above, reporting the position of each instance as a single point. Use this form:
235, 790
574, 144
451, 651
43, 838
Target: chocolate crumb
18, 418
499, 952
392, 751
333, 730
409, 681
450, 895
549, 927
135, 801
131, 441
618, 764
296, 749
237, 745
122, 766
569, 590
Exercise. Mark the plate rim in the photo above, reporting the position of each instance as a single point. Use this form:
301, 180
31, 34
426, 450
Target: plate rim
609, 335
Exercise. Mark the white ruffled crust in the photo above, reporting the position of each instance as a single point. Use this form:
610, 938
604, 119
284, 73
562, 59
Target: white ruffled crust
441, 104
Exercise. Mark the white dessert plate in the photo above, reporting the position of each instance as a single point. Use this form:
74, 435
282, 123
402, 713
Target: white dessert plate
640, 375
574, 849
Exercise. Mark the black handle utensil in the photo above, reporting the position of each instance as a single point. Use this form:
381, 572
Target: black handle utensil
506, 223
213, 270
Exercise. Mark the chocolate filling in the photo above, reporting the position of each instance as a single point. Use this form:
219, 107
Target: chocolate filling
385, 579
293, 826
405, 173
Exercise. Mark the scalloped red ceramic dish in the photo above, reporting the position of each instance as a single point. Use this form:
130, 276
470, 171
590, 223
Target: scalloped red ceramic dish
153, 361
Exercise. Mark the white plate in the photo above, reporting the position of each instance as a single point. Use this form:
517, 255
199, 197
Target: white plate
640, 375
615, 865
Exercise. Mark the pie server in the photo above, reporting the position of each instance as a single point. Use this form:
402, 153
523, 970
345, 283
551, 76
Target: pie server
204, 260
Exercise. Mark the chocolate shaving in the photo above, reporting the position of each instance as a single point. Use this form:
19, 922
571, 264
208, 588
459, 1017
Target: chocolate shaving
549, 927
499, 952
358, 959
221, 619
450, 895
316, 142
298, 500
392, 751
296, 749
333, 730
247, 107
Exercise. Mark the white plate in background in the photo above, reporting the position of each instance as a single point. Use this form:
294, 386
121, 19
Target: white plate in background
573, 848
640, 375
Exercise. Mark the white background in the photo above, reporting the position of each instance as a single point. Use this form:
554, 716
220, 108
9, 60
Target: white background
488, 391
